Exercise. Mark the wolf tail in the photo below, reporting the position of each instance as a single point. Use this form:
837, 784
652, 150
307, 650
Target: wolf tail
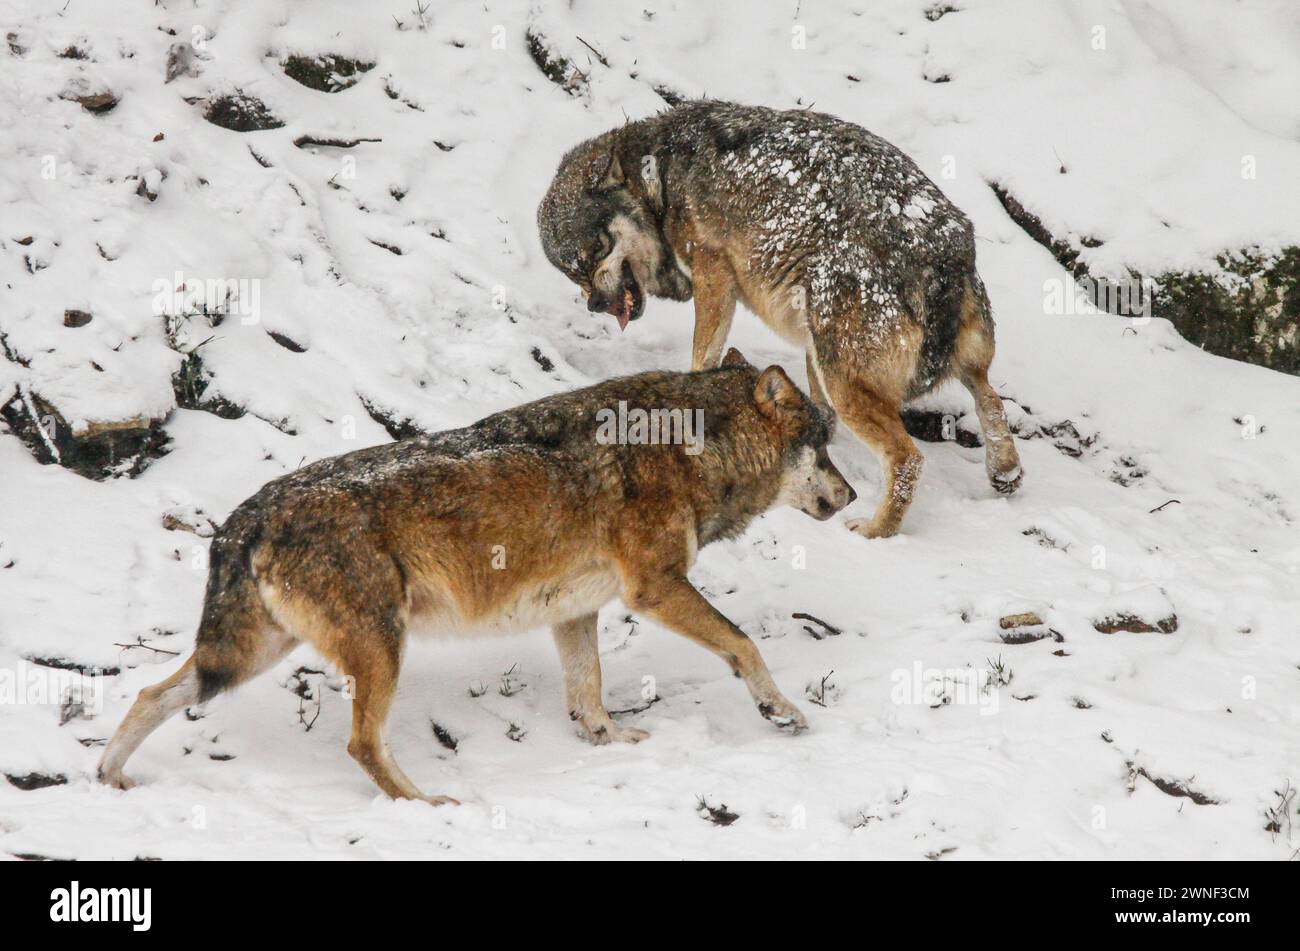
233, 627
943, 300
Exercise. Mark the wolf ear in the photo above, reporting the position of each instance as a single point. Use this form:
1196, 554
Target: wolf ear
734, 358
613, 177
775, 394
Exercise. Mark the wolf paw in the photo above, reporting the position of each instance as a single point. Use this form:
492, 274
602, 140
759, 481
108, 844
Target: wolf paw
600, 734
784, 715
1004, 483
628, 734
440, 800
868, 528
118, 781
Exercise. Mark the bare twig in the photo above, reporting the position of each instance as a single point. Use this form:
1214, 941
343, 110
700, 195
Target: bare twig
829, 628
599, 55
139, 642
818, 696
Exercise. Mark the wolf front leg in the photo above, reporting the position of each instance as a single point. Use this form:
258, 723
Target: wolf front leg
671, 601
714, 286
580, 658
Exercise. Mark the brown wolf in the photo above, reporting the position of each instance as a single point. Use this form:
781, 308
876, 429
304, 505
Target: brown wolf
534, 516
828, 233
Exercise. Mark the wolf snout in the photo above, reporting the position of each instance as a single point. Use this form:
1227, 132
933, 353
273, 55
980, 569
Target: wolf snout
832, 501
826, 504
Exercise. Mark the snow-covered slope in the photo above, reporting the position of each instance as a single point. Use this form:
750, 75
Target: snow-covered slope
1083, 753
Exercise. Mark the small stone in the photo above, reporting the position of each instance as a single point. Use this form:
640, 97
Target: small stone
75, 318
1027, 619
189, 519
98, 103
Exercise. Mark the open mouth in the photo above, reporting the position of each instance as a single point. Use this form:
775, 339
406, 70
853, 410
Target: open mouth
629, 305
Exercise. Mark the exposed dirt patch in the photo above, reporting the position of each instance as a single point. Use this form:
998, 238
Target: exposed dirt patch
63, 663
397, 428
31, 781
1115, 623
101, 451
555, 67
328, 73
240, 112
190, 383
718, 815
1246, 306
1180, 788
443, 736
288, 343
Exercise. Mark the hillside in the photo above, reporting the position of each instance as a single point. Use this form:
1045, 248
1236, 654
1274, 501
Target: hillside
188, 311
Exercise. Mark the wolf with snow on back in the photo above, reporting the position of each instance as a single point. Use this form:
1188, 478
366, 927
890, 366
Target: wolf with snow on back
535, 516
828, 233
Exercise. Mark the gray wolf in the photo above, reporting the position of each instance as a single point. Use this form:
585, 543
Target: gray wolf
827, 232
530, 517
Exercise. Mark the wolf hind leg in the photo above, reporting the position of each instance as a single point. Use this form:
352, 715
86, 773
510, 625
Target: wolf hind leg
153, 706
372, 660
580, 658
357, 619
875, 420
971, 359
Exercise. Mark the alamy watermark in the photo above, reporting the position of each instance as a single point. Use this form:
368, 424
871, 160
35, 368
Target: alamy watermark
1086, 295
130, 905
214, 296
651, 427
960, 686
32, 684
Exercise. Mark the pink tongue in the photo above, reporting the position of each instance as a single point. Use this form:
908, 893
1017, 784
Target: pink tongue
622, 320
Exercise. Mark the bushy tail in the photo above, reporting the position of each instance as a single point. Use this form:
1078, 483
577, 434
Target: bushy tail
943, 297
234, 620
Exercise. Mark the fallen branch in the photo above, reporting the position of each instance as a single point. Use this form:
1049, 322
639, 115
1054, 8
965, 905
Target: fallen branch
305, 141
139, 642
829, 628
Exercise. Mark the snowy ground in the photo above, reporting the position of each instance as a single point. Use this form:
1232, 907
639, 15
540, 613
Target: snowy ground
1067, 760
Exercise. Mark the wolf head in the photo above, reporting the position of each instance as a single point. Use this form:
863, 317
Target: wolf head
809, 480
599, 226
